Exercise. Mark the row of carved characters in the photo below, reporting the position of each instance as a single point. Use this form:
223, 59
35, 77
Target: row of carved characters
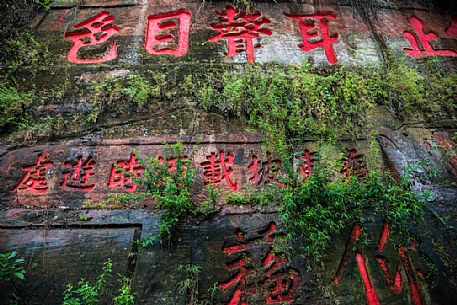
217, 168
241, 30
277, 281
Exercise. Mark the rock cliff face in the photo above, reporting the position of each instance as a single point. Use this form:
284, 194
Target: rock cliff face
122, 80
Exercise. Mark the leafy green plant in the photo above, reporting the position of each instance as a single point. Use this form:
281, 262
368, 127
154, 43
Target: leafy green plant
189, 285
138, 89
11, 266
170, 189
287, 103
124, 296
87, 294
111, 91
12, 106
24, 50
316, 208
44, 3
11, 269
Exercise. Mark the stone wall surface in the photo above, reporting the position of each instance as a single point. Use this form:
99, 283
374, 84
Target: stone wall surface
45, 182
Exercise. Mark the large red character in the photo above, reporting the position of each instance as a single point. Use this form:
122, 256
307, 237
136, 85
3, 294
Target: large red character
239, 29
421, 42
264, 172
156, 35
396, 282
452, 29
354, 164
218, 167
35, 177
173, 163
276, 281
314, 30
280, 282
307, 160
98, 30
123, 174
77, 174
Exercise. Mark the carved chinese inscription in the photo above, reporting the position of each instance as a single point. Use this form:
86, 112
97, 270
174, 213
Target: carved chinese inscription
158, 38
218, 168
98, 30
172, 163
421, 41
414, 275
264, 172
314, 30
76, 175
307, 160
35, 177
123, 174
239, 29
354, 164
274, 279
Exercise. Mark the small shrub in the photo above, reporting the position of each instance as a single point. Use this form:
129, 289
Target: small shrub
11, 266
12, 106
87, 294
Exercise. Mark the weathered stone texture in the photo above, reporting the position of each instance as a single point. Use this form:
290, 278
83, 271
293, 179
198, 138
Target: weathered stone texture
62, 242
58, 256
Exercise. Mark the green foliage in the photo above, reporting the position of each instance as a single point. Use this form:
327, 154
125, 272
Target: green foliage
138, 89
316, 208
43, 3
189, 284
124, 296
12, 269
256, 197
190, 280
24, 50
86, 293
12, 106
11, 266
111, 92
170, 189
287, 103
149, 240
207, 207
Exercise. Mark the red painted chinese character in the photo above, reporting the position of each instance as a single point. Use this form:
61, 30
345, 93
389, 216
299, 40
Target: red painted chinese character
395, 283
314, 30
243, 272
265, 171
216, 169
307, 162
35, 177
281, 282
77, 174
172, 163
452, 29
354, 164
156, 35
59, 22
421, 42
123, 174
98, 30
239, 29
276, 281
